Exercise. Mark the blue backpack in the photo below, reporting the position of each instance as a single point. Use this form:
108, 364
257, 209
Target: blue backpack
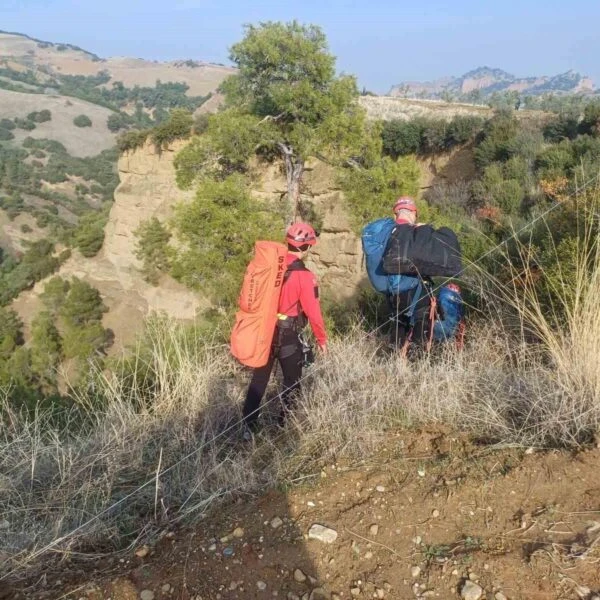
375, 237
451, 312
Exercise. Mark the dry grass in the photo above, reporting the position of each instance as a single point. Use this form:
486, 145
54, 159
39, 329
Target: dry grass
79, 141
165, 442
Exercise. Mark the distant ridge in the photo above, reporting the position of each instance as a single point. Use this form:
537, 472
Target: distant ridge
485, 81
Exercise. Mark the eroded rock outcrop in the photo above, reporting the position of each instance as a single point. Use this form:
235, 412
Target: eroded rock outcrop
147, 189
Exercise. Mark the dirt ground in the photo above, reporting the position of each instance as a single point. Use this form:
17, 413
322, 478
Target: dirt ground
432, 515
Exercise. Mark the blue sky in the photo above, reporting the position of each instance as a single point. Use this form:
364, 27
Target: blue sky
382, 42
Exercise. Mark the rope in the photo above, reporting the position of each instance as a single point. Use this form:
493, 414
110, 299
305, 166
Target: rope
317, 367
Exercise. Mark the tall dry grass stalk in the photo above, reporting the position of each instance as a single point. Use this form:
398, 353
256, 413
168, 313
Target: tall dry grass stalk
164, 443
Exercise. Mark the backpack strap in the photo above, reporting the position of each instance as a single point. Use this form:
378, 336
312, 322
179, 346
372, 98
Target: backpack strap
296, 265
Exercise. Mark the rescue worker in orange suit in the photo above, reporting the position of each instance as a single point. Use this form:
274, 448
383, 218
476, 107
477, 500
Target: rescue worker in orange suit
298, 305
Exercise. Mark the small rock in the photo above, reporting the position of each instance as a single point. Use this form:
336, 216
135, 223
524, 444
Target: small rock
435, 513
355, 591
276, 523
380, 593
473, 576
471, 591
311, 504
142, 551
415, 572
318, 594
147, 595
322, 533
292, 596
374, 529
299, 576
335, 597
238, 532
421, 472
228, 551
212, 547
501, 596
583, 591
261, 585
368, 555
4, 524
380, 489
417, 540
166, 588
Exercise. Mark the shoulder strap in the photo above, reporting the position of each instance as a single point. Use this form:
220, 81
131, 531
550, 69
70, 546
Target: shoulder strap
297, 265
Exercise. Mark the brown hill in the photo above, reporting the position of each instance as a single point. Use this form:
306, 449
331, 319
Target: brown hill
201, 77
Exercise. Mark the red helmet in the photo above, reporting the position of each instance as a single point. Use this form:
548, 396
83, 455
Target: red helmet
405, 203
453, 287
300, 234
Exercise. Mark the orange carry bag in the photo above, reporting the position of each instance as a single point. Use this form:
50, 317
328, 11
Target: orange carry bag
256, 319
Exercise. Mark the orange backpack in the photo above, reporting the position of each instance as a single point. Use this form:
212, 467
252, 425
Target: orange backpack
256, 319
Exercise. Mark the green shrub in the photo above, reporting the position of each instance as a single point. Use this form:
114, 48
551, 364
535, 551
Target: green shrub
25, 124
152, 249
493, 189
6, 135
402, 137
89, 234
131, 140
40, 117
371, 192
219, 228
82, 304
179, 126
499, 135
82, 121
7, 124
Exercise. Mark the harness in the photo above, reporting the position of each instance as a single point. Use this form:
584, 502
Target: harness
409, 314
286, 325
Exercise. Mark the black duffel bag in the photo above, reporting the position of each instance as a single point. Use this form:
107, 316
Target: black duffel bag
423, 251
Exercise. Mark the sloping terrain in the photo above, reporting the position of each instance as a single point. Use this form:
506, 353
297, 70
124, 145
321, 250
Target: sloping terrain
202, 78
429, 516
147, 188
79, 141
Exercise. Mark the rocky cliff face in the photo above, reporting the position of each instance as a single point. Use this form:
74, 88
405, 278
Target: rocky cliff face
337, 258
147, 189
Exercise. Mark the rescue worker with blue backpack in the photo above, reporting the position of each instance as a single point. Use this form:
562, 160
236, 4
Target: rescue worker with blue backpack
401, 258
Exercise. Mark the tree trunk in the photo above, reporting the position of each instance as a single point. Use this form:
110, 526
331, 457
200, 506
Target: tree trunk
294, 168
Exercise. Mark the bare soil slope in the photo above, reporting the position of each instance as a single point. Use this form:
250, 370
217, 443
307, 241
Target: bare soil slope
431, 516
79, 141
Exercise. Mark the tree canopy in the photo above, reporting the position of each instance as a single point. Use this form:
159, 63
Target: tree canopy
285, 100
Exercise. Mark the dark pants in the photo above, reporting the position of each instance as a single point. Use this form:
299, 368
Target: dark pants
287, 349
401, 328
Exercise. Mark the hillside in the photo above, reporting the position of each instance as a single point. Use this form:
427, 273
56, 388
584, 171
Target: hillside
482, 82
79, 141
56, 58
147, 189
61, 111
428, 515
